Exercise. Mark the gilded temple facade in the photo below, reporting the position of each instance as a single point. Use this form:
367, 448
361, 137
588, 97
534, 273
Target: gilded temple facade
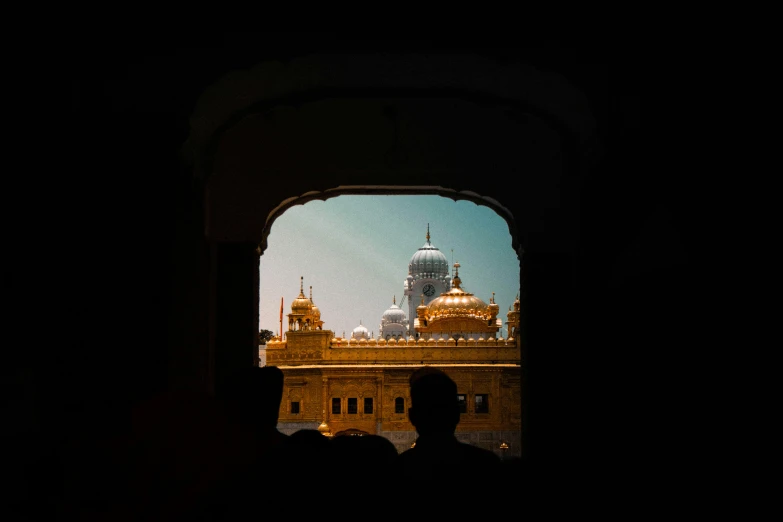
360, 384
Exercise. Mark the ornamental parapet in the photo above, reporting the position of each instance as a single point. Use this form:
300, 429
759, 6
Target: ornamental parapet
345, 351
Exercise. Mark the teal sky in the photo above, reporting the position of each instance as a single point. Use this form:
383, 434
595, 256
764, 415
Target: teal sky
354, 251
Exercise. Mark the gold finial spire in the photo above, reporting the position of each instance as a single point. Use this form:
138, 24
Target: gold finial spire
301, 286
324, 427
394, 300
311, 292
493, 298
455, 282
428, 232
422, 298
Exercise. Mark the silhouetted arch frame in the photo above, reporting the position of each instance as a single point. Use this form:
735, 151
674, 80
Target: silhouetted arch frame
574, 158
465, 76
516, 245
519, 89
371, 190
525, 91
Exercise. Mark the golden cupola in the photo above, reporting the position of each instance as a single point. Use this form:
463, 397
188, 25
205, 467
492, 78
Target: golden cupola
457, 302
315, 313
493, 307
314, 309
301, 305
458, 313
304, 314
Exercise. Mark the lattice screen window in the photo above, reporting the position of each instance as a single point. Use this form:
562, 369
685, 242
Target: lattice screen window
482, 403
462, 399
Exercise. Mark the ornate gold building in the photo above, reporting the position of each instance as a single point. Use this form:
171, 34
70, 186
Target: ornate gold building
360, 383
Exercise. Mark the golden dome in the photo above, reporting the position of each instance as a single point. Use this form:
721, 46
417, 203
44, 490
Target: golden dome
301, 305
458, 303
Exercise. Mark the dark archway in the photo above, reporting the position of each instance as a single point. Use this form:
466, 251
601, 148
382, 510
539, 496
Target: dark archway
443, 132
153, 274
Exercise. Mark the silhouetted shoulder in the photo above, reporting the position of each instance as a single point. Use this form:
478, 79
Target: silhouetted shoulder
478, 455
445, 460
309, 447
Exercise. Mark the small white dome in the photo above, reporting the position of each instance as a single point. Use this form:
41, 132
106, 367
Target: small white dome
360, 332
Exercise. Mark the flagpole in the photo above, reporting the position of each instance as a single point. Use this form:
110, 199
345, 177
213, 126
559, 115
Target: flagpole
281, 318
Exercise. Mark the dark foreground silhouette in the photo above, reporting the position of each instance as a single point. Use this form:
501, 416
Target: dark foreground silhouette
438, 457
195, 458
361, 452
251, 401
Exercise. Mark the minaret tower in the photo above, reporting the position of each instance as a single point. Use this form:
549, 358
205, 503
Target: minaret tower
428, 275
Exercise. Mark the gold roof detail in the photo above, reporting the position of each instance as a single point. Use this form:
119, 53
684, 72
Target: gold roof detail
457, 302
304, 314
301, 304
314, 309
324, 427
458, 311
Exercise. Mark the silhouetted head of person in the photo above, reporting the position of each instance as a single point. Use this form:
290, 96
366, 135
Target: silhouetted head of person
254, 396
434, 407
307, 447
363, 450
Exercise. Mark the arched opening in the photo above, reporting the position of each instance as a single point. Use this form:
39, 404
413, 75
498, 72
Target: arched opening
377, 234
257, 152
346, 254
